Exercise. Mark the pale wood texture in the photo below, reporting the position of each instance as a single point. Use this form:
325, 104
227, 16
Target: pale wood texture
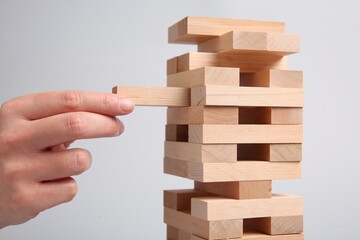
270, 115
201, 153
181, 199
177, 234
247, 63
230, 172
171, 66
206, 76
276, 225
291, 152
254, 235
217, 208
194, 29
208, 229
273, 78
155, 96
253, 42
285, 153
177, 133
238, 190
247, 96
245, 133
202, 115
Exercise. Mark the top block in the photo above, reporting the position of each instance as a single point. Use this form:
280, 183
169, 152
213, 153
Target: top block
194, 30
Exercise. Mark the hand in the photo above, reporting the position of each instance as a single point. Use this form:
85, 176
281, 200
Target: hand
35, 132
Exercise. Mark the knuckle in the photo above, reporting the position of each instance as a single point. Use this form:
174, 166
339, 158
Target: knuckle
82, 161
71, 100
11, 173
75, 123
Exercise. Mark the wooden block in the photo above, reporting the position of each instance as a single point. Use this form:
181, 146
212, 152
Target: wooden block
247, 63
291, 152
180, 200
200, 29
246, 133
231, 172
201, 153
254, 235
276, 225
182, 235
270, 115
286, 115
285, 152
155, 96
217, 208
172, 233
202, 115
171, 66
273, 78
242, 42
177, 133
238, 190
206, 76
247, 96
208, 229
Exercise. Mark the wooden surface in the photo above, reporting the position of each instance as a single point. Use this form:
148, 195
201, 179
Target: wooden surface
247, 96
238, 190
155, 96
178, 133
217, 208
198, 29
273, 78
230, 172
276, 225
291, 152
254, 235
245, 133
205, 76
201, 153
270, 115
208, 229
202, 115
253, 42
247, 63
180, 199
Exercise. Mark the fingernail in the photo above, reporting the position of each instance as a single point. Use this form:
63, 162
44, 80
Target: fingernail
127, 105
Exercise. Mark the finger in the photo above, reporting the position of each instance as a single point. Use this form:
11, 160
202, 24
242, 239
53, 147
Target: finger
67, 127
41, 105
49, 166
50, 194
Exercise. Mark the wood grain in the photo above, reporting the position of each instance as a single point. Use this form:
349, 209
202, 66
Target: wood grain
205, 76
247, 96
276, 225
155, 96
180, 199
243, 42
217, 208
201, 153
230, 172
208, 229
246, 62
202, 115
245, 133
194, 29
238, 190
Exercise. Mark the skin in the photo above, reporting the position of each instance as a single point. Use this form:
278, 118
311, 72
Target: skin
36, 163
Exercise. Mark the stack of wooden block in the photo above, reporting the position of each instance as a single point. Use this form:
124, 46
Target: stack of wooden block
234, 124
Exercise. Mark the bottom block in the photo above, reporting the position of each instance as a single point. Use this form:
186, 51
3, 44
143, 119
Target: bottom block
253, 235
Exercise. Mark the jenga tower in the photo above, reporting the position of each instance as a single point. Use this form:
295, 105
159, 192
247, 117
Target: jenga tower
234, 124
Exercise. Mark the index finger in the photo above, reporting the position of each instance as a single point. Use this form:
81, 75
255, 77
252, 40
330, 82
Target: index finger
41, 105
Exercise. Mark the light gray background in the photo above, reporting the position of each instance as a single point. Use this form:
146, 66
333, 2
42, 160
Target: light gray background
94, 45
